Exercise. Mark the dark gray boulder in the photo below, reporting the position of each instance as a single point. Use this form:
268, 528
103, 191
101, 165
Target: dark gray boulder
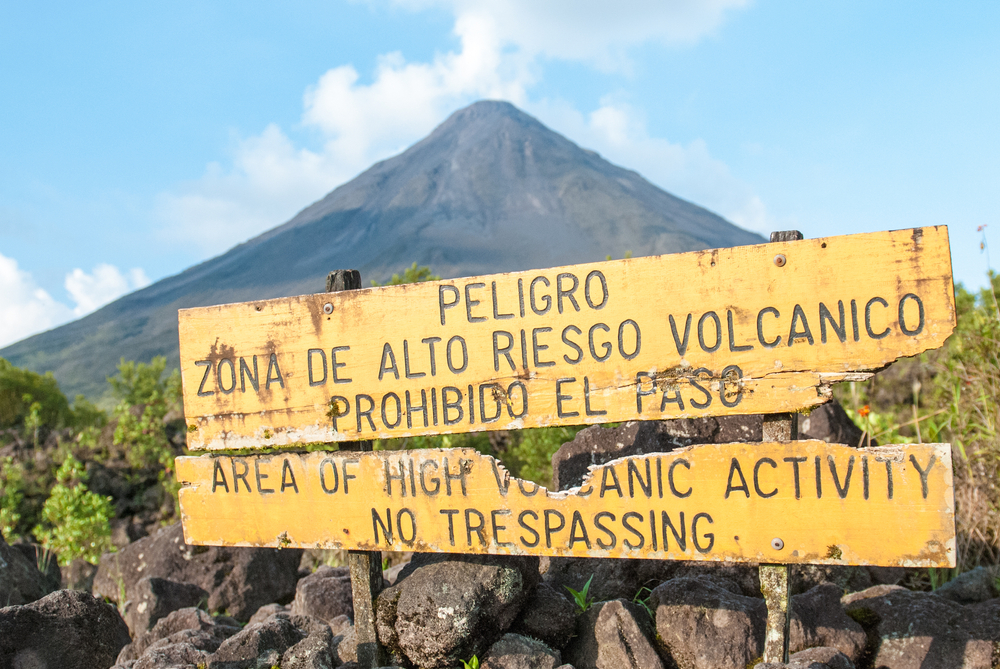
153, 598
21, 581
614, 635
260, 644
818, 619
66, 629
238, 580
325, 594
812, 658
707, 626
548, 616
830, 423
514, 651
919, 630
853, 578
266, 611
972, 587
187, 648
447, 609
182, 620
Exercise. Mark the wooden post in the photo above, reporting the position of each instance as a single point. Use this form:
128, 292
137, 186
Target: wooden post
366, 566
774, 578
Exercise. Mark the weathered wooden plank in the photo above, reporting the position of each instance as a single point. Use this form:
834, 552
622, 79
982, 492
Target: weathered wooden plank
758, 329
787, 502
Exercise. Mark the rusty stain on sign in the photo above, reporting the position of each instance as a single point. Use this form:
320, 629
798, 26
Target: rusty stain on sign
787, 502
642, 338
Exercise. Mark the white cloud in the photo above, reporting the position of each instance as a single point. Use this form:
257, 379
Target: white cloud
25, 308
503, 47
594, 31
106, 283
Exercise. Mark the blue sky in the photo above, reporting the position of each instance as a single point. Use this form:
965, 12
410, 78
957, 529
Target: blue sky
140, 138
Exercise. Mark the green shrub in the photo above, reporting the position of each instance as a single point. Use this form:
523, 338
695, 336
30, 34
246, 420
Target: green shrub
23, 392
76, 522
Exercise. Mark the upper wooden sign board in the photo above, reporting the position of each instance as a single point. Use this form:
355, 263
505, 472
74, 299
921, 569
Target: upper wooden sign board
753, 329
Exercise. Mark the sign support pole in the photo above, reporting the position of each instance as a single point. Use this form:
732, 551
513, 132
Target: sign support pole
365, 566
774, 578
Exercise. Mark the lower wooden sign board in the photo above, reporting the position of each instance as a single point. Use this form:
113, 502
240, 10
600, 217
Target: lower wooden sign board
787, 502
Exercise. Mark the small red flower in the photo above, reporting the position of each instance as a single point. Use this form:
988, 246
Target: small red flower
865, 410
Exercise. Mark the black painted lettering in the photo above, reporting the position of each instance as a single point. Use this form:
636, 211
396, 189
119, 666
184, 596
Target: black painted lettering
413, 526
479, 528
524, 399
334, 365
496, 394
349, 477
388, 363
734, 468
902, 316
621, 339
560, 398
841, 491
708, 535
288, 477
430, 341
839, 326
864, 475
578, 531
411, 409
733, 346
520, 521
455, 405
756, 477
610, 469
694, 382
799, 316
232, 376
364, 413
854, 320
390, 477
207, 364
819, 478
274, 373
464, 466
595, 274
430, 492
524, 351
246, 374
676, 398
731, 386
498, 528
457, 369
406, 363
680, 539
335, 411
551, 529
391, 424
868, 318
218, 472
607, 348
670, 478
442, 305
322, 476
637, 533
597, 523
567, 292
386, 526
536, 347
496, 313
923, 472
760, 327
795, 471
633, 474
572, 344
681, 343
451, 523
502, 350
260, 477
718, 332
586, 400
639, 392
546, 300
888, 476
470, 303
309, 365
237, 476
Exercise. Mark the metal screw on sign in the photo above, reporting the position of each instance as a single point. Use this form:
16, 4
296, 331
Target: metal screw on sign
327, 308
777, 544
780, 260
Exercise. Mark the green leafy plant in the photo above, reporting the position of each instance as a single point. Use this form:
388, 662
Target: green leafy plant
643, 600
12, 485
412, 274
75, 520
471, 663
582, 597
